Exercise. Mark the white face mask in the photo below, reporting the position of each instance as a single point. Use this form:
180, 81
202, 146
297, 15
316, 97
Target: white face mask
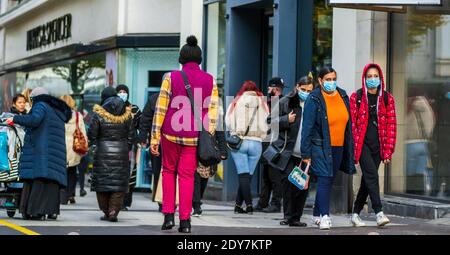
123, 96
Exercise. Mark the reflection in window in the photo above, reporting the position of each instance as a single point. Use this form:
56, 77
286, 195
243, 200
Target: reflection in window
421, 61
215, 62
322, 35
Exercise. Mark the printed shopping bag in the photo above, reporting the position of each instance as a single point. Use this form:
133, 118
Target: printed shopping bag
159, 195
299, 177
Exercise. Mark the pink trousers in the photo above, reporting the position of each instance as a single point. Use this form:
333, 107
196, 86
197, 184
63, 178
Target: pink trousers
182, 161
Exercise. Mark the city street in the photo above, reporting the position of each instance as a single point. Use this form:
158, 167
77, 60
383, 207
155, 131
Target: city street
218, 218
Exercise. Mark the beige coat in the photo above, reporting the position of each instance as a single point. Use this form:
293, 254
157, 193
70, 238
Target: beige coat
238, 119
73, 158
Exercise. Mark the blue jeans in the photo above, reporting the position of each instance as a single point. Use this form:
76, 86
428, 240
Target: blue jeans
324, 184
247, 157
416, 158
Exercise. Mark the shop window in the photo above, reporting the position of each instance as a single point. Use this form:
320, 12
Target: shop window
421, 85
215, 55
322, 35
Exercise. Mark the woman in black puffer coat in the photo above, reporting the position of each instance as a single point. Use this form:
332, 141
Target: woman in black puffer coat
112, 133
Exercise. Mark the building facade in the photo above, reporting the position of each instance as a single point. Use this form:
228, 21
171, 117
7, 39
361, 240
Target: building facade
79, 47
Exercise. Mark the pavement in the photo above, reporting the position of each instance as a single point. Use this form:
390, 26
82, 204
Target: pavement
218, 218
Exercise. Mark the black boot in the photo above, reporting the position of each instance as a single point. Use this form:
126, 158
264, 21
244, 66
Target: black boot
244, 184
169, 222
185, 226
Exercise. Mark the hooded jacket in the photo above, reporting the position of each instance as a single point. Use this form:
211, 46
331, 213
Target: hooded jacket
44, 152
111, 132
387, 120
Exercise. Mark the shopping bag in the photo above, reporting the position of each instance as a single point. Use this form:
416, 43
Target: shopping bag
299, 177
159, 195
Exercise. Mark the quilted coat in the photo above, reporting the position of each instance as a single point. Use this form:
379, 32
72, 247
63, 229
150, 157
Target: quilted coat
387, 120
111, 132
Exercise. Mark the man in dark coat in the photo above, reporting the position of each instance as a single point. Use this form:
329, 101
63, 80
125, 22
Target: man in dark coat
271, 179
43, 162
145, 127
111, 132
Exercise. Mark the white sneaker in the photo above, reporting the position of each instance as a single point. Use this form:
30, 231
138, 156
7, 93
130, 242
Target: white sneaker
356, 221
325, 223
316, 220
382, 219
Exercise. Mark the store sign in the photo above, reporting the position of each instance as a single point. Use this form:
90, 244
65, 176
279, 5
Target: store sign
388, 2
52, 32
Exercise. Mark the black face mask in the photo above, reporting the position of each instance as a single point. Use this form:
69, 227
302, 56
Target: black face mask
272, 93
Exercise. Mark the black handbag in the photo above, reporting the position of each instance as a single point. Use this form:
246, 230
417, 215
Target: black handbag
272, 154
234, 142
208, 152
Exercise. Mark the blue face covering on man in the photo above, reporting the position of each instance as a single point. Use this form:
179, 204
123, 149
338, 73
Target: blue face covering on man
303, 95
330, 86
373, 83
123, 96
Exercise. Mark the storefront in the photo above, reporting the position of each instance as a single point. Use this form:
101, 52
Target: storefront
256, 40
78, 48
411, 43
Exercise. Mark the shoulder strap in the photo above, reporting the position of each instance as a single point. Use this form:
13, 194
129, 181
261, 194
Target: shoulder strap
251, 121
358, 97
76, 114
191, 98
385, 98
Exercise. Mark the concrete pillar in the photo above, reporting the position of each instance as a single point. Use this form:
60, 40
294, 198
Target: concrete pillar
191, 20
359, 37
285, 49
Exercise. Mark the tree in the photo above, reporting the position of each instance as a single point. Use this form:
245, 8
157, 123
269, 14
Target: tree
77, 72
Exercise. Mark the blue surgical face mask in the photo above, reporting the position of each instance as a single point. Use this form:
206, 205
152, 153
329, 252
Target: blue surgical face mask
330, 86
303, 95
448, 95
373, 83
123, 96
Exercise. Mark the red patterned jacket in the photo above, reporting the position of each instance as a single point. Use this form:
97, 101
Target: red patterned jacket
387, 120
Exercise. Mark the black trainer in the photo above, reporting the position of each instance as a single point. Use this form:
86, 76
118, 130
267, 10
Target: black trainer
249, 209
197, 212
239, 209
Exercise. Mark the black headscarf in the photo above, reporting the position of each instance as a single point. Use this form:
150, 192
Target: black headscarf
107, 93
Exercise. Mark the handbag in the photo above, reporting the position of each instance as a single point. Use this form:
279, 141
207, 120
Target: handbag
234, 141
80, 144
272, 154
206, 171
207, 149
300, 178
